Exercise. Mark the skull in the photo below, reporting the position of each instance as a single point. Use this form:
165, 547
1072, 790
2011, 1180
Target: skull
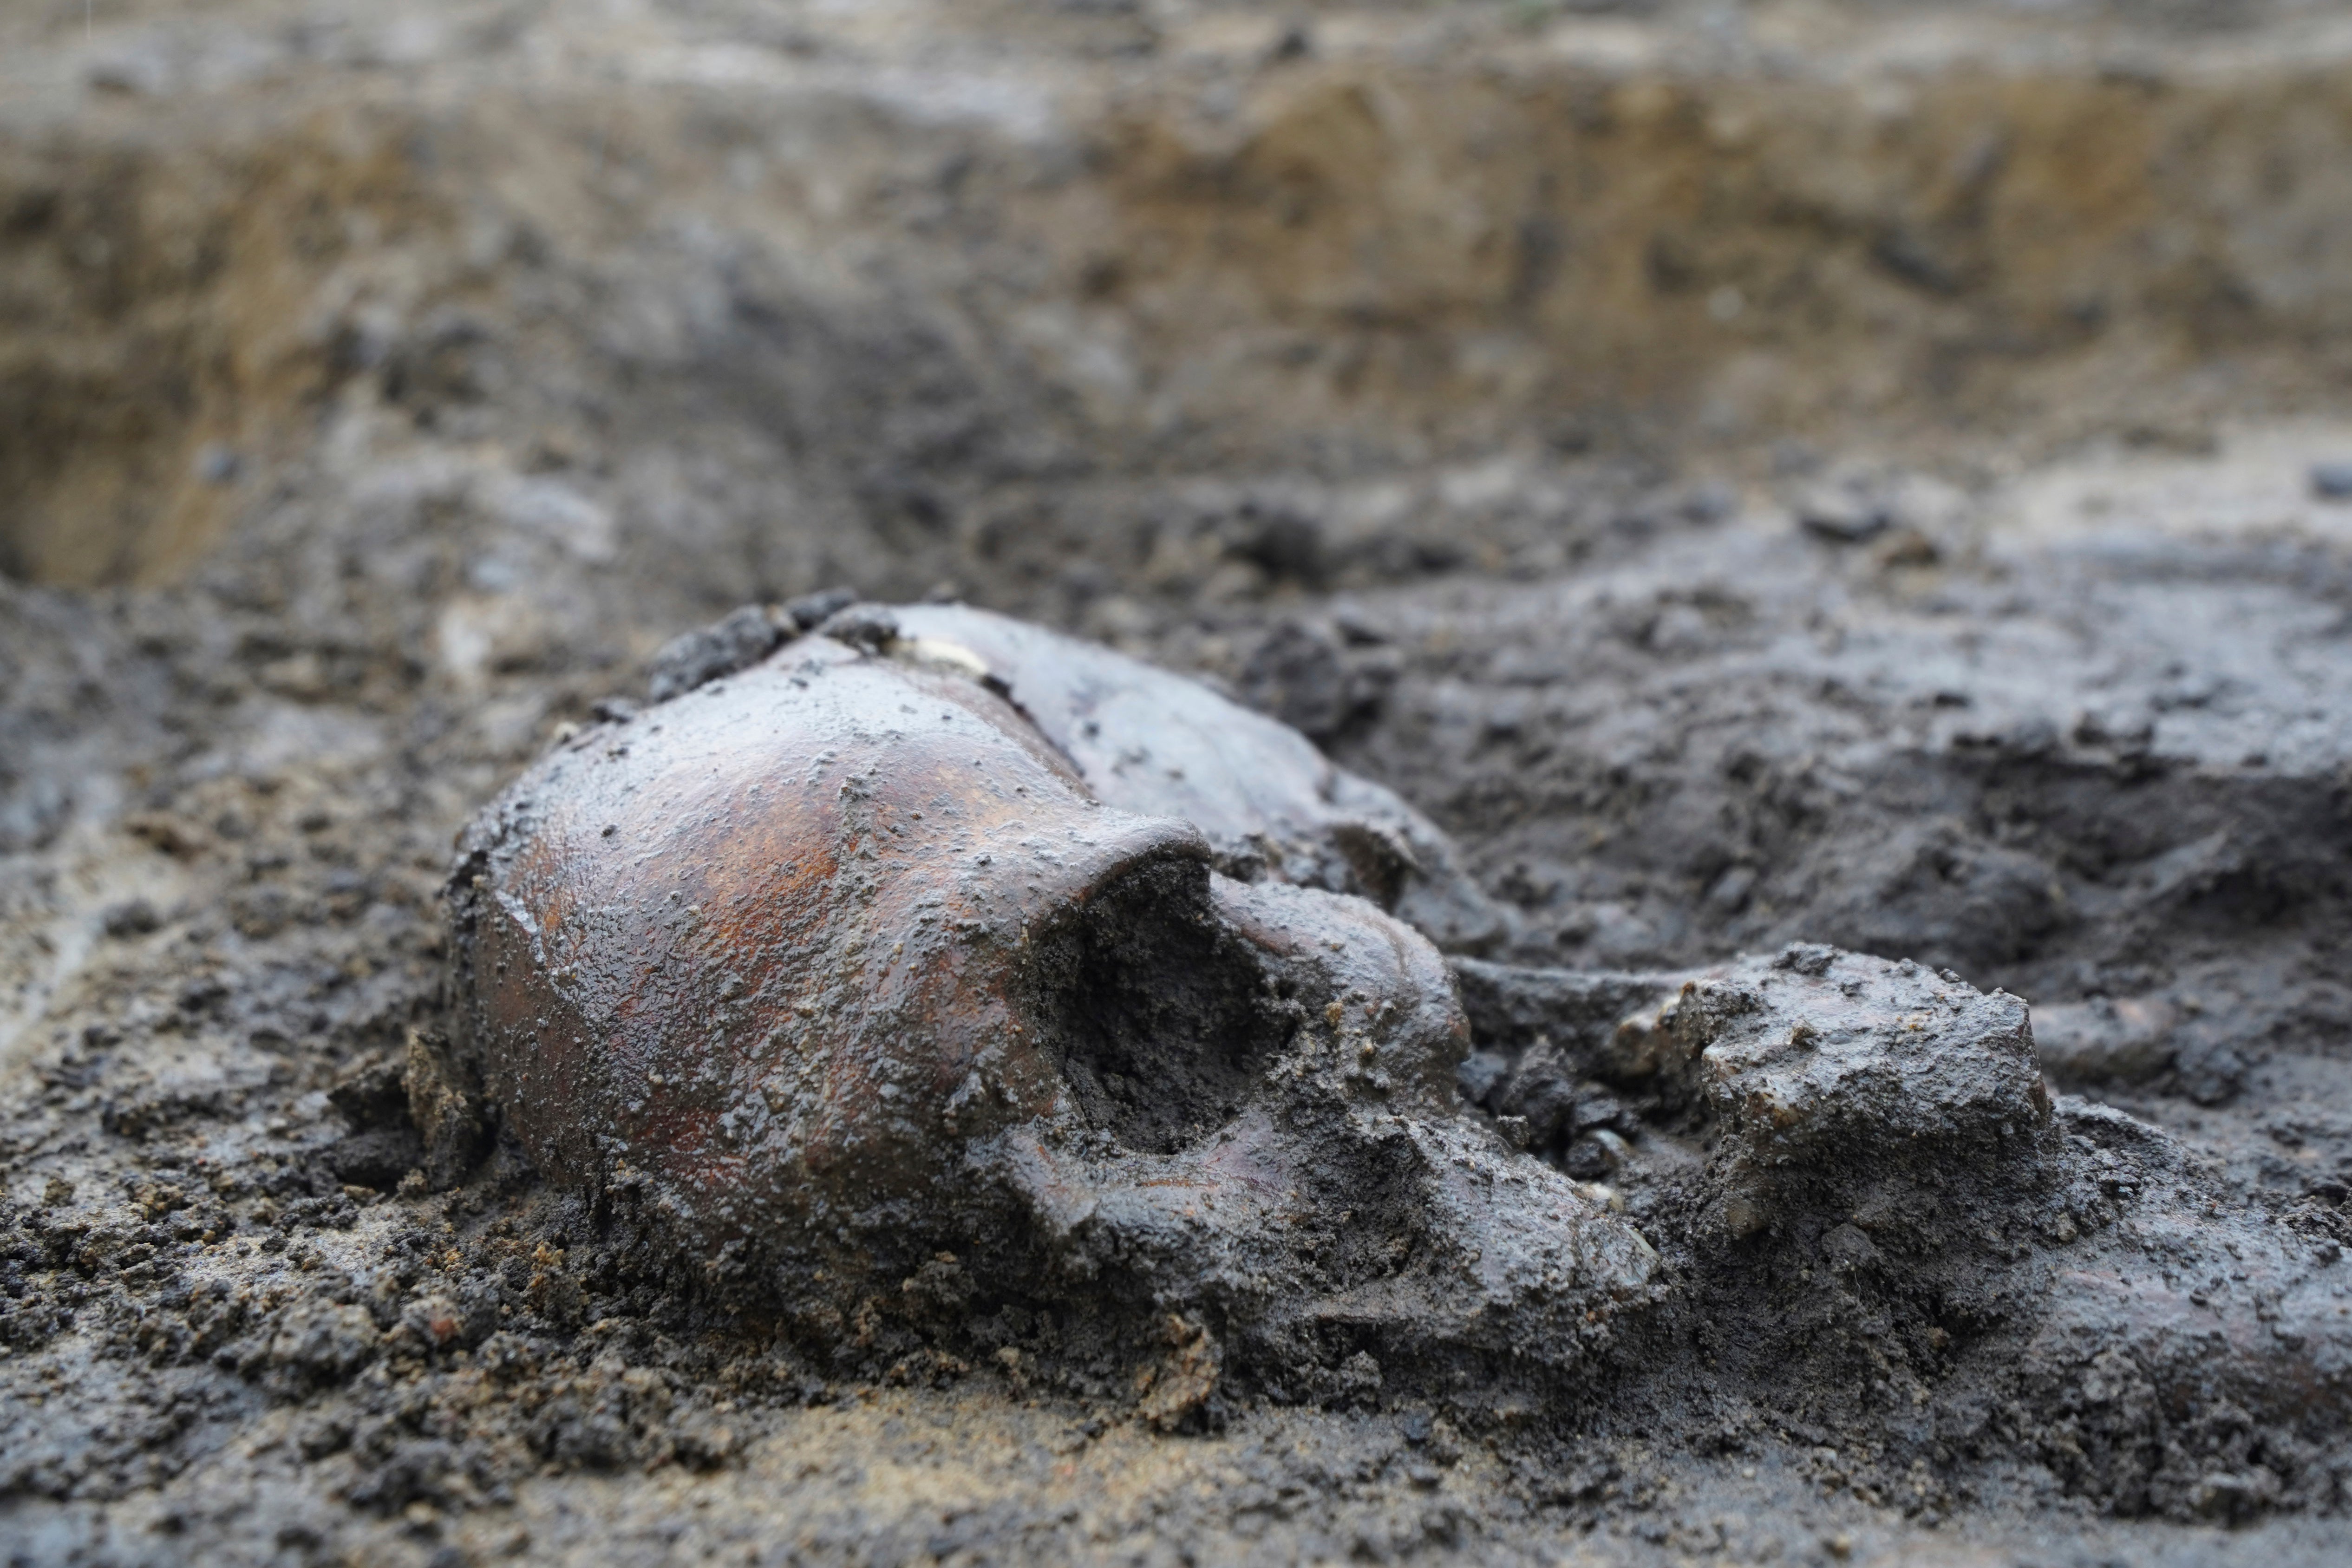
898, 968
1270, 805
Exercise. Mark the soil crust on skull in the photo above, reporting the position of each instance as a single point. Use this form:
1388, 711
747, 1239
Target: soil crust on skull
1902, 778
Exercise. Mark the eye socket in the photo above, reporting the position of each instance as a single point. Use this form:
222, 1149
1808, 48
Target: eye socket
1160, 1017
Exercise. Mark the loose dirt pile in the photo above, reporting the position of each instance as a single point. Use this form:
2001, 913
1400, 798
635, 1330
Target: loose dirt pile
1758, 478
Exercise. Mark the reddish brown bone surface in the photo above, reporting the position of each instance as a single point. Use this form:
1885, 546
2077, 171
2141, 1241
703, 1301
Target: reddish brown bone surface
763, 945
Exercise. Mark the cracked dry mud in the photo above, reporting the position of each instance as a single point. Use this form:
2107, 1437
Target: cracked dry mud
1845, 678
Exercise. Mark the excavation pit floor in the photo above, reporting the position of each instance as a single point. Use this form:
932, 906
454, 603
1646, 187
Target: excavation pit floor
1753, 477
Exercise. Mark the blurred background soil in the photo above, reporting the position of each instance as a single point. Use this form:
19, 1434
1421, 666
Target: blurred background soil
1790, 469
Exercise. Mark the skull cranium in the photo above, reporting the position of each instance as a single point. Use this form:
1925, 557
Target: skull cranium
842, 966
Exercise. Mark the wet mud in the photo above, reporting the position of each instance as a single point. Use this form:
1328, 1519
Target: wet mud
1746, 962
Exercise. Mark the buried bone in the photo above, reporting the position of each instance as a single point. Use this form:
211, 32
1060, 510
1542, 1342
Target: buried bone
842, 964
1270, 806
924, 960
1887, 1179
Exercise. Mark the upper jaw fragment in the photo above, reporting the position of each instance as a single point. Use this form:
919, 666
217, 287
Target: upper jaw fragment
1347, 1206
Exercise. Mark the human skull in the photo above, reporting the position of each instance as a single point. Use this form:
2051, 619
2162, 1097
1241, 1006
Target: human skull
1271, 807
875, 954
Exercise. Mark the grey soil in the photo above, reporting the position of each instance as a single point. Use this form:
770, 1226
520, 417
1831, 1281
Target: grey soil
401, 391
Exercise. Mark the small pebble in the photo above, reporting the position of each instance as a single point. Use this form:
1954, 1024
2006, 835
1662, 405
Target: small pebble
2332, 481
1842, 515
135, 918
